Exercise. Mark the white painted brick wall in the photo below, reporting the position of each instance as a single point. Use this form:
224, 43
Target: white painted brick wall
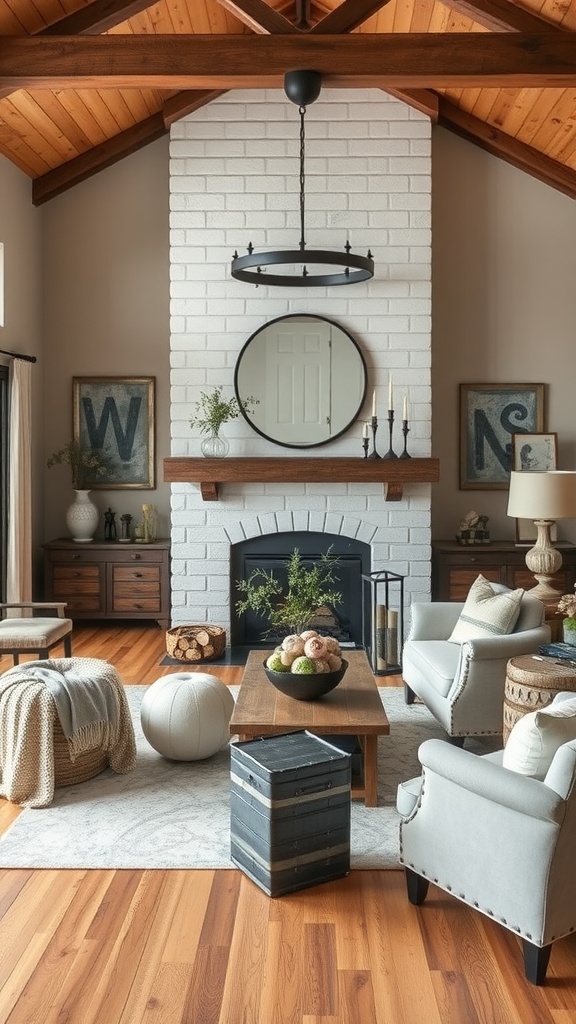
234, 179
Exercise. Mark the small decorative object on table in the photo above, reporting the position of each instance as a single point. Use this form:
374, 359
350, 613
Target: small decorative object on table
306, 665
149, 521
473, 529
390, 454
212, 411
125, 519
110, 532
567, 606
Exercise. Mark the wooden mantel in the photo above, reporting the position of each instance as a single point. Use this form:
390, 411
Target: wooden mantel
392, 473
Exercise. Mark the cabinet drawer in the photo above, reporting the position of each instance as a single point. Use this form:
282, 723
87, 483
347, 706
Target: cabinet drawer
81, 603
135, 553
136, 604
136, 574
460, 580
136, 590
66, 573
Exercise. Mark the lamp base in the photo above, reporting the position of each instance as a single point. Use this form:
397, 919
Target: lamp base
544, 590
544, 561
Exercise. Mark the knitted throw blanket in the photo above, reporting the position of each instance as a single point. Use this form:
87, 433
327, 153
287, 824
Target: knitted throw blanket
27, 711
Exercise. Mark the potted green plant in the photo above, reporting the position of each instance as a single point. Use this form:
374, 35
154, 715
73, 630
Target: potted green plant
290, 609
85, 464
567, 605
212, 411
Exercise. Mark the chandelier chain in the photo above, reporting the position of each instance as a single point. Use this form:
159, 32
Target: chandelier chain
302, 111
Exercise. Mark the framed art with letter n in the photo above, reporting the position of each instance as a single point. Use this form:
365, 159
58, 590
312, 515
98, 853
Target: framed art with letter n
490, 414
115, 416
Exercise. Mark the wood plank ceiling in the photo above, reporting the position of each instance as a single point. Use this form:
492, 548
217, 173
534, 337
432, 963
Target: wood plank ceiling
82, 85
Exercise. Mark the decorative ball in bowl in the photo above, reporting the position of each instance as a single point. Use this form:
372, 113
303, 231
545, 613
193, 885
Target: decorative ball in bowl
306, 687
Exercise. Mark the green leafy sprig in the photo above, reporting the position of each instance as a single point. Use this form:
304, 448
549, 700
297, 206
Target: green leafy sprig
212, 410
308, 589
85, 463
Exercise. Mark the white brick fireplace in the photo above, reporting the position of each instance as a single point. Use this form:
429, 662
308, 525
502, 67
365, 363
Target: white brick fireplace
234, 179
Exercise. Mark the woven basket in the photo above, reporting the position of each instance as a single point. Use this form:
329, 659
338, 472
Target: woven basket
195, 643
86, 766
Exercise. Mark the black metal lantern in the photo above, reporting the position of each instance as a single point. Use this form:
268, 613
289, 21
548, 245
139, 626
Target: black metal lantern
302, 87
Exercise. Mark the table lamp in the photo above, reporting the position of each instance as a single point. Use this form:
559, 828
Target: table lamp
544, 498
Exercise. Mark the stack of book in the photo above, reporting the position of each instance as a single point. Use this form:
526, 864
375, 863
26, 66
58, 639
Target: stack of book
566, 652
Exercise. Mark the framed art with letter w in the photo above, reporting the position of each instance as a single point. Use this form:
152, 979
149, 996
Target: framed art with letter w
490, 414
115, 416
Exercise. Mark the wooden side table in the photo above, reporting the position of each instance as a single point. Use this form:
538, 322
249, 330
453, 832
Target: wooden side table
532, 682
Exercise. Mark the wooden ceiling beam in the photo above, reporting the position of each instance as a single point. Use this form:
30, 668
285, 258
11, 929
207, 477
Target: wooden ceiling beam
96, 17
501, 16
258, 16
459, 60
349, 15
107, 153
507, 148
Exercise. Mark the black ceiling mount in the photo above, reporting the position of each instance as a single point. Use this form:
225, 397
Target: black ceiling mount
302, 88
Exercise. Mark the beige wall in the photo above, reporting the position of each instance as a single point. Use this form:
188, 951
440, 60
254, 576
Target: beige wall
504, 305
503, 309
106, 281
21, 233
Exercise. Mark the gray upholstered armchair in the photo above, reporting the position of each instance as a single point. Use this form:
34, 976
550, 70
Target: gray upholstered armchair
463, 684
501, 842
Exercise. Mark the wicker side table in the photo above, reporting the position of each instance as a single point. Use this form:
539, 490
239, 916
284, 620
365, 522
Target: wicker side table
531, 684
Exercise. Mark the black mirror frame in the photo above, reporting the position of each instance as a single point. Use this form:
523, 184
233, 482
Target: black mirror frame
295, 316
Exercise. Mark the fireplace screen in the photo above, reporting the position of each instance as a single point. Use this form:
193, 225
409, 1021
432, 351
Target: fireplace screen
271, 553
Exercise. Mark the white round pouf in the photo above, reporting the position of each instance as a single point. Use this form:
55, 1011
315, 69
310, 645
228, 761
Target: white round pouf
185, 715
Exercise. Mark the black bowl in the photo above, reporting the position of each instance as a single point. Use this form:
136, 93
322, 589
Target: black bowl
305, 687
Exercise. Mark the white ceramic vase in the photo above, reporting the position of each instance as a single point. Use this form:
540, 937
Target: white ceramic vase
82, 517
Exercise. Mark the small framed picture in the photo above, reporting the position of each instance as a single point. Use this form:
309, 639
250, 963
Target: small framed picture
533, 453
536, 453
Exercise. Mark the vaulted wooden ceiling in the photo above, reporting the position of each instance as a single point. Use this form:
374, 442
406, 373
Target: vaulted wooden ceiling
82, 85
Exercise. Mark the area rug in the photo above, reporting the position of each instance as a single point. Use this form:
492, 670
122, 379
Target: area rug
168, 814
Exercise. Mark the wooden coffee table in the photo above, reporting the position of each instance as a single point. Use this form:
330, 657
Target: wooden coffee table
354, 708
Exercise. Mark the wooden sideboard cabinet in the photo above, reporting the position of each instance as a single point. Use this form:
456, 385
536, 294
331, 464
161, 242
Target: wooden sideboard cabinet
456, 566
109, 580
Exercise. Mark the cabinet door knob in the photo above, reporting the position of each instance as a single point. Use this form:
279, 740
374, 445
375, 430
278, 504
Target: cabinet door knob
76, 557
137, 575
136, 557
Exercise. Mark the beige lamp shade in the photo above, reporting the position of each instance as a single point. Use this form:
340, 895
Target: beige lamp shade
544, 498
549, 495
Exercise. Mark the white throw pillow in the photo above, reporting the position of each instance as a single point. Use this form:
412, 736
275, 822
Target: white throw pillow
487, 612
535, 738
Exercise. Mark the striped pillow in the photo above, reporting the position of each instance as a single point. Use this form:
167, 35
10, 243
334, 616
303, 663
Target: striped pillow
487, 612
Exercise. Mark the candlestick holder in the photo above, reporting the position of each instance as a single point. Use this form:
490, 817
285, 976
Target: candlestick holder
390, 454
365, 443
374, 425
405, 431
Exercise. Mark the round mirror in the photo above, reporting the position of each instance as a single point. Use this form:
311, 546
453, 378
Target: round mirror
308, 377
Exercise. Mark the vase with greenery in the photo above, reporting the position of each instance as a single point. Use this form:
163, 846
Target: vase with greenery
289, 608
212, 411
567, 605
85, 464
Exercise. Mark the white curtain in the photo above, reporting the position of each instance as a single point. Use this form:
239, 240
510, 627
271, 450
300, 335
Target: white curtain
19, 561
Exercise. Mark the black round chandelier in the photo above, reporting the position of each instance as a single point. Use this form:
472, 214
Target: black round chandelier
302, 88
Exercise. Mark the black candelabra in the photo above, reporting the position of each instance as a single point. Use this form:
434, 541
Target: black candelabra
405, 431
374, 424
390, 454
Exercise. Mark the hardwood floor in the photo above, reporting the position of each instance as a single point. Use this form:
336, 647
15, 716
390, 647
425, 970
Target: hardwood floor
208, 947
